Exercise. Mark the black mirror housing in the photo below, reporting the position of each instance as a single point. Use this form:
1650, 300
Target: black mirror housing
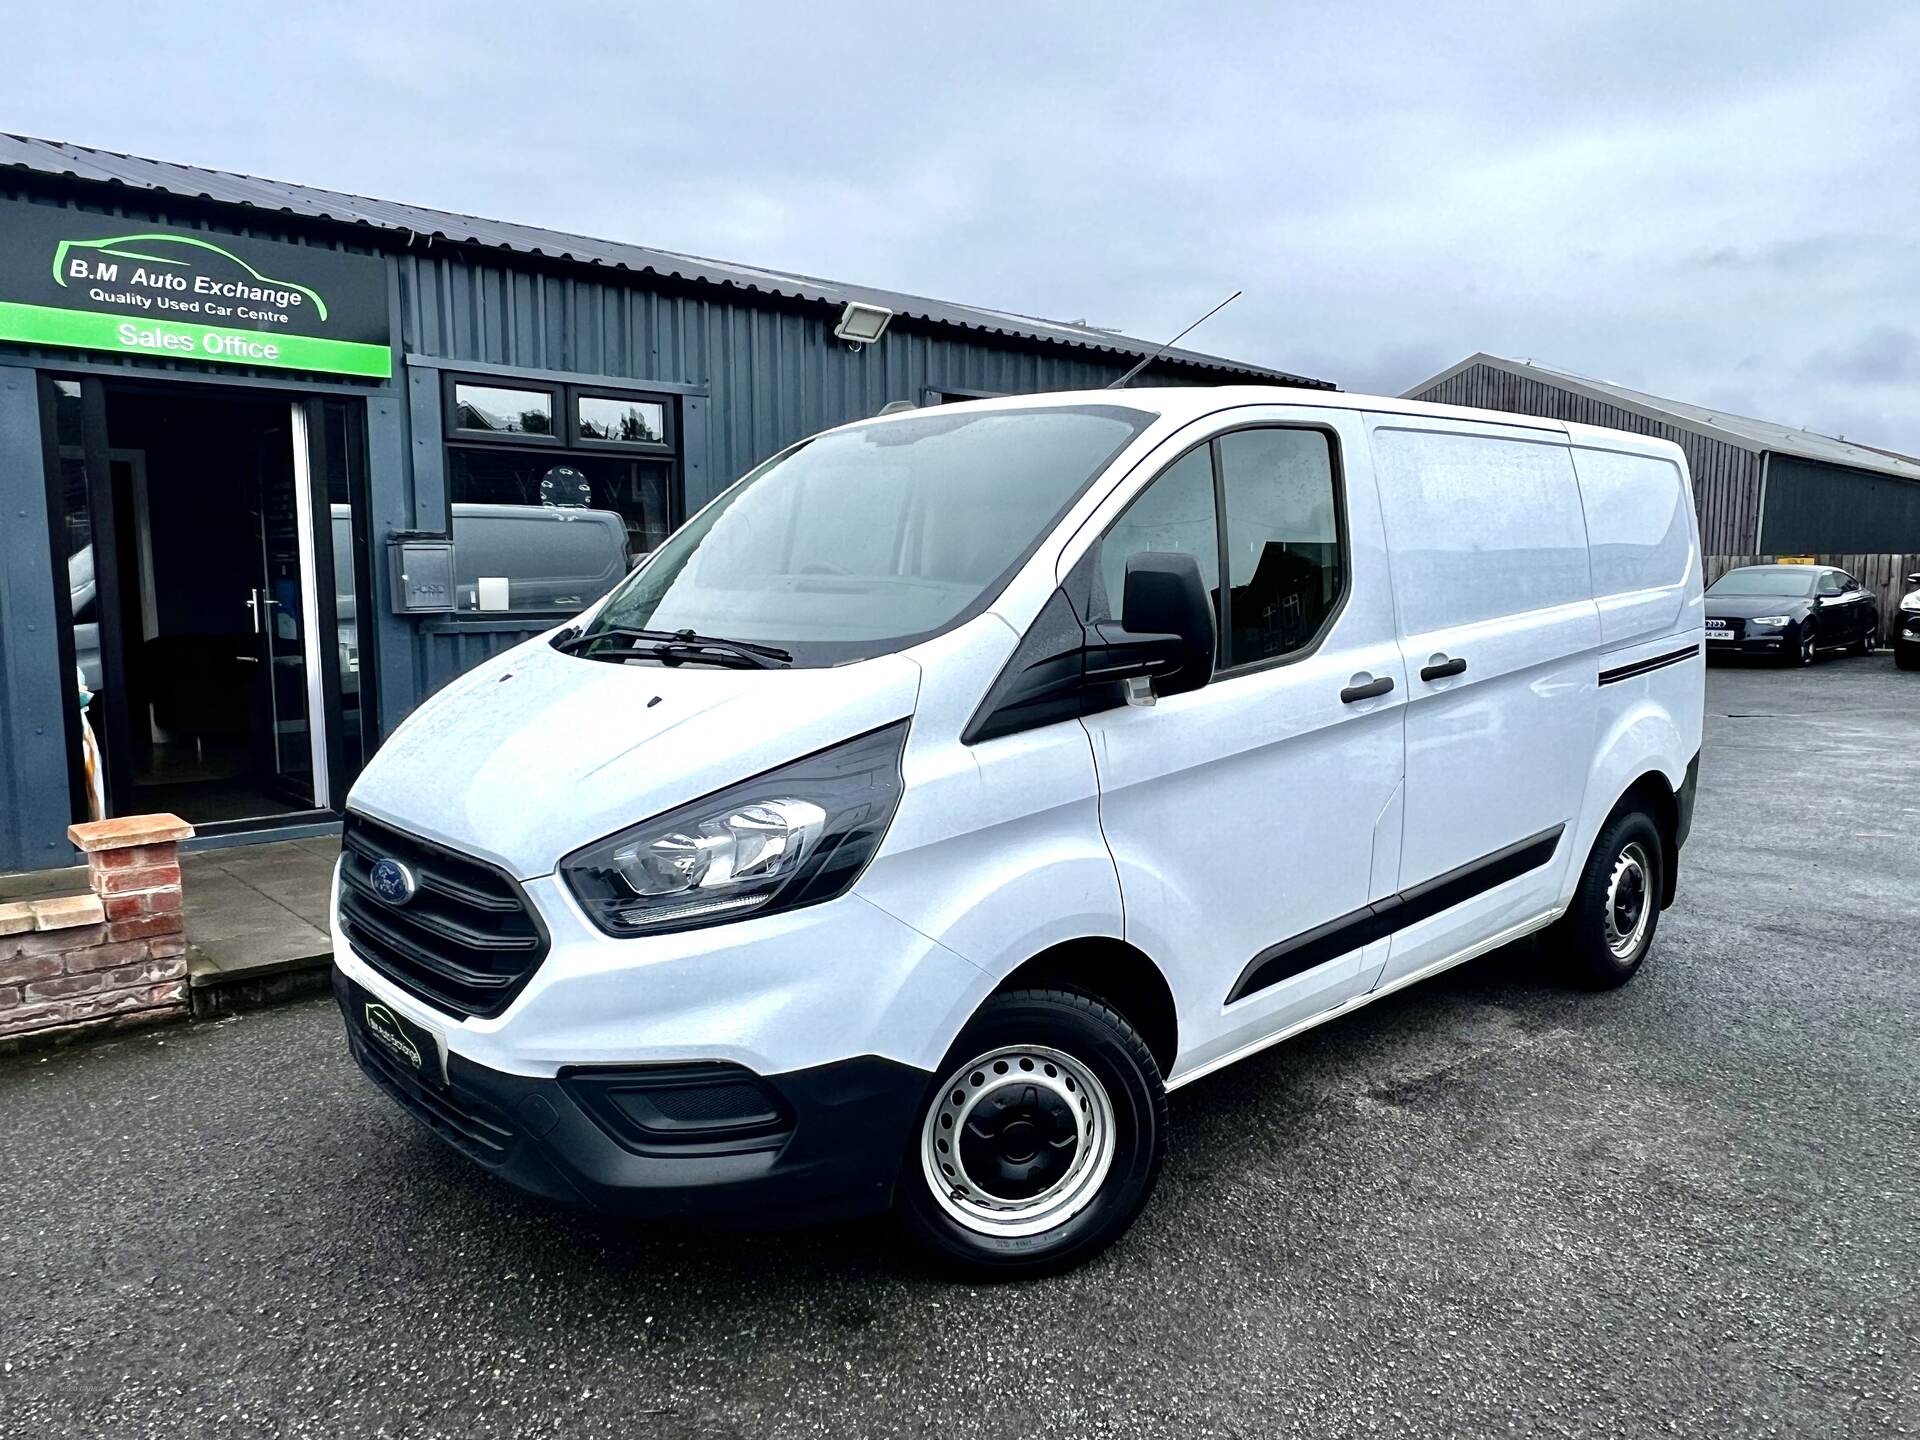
1166, 598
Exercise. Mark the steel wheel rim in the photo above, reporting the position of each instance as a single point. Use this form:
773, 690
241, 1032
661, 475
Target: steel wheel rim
1629, 907
971, 1127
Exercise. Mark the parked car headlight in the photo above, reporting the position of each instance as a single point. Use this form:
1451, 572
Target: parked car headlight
793, 836
1771, 620
1910, 600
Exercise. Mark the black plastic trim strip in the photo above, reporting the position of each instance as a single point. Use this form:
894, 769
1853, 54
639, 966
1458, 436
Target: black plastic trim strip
1382, 918
1641, 667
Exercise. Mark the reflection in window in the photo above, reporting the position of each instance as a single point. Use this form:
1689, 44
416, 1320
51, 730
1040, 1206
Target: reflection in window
1283, 542
622, 422
500, 410
539, 531
1174, 513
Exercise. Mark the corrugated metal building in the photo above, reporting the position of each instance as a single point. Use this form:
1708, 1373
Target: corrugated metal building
1761, 488
217, 391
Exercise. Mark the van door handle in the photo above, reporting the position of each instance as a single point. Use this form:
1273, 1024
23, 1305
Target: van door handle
1440, 671
1371, 690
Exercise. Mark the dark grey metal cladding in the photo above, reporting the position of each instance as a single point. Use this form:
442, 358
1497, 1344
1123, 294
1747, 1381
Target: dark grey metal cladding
1814, 508
34, 695
411, 225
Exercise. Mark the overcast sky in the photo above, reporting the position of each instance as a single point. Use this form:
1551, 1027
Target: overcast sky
1717, 202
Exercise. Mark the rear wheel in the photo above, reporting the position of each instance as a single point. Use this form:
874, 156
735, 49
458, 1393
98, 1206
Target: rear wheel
1608, 929
1869, 642
1042, 1142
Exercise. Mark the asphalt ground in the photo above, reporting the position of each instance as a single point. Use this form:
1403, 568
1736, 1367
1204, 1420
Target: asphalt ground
1487, 1205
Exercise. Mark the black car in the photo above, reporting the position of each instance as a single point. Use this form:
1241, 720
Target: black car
1906, 634
1790, 611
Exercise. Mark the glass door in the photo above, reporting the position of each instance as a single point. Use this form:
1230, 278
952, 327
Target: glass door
290, 748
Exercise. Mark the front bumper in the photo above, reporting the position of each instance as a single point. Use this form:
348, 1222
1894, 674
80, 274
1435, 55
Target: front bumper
826, 1143
1767, 642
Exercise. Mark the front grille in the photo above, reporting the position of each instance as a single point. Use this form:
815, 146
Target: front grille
466, 943
472, 1128
1735, 628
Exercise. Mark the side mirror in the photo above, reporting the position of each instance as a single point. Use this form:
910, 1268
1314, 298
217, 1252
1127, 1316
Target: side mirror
1166, 626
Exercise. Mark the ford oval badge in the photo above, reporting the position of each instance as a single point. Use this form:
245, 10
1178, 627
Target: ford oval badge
393, 882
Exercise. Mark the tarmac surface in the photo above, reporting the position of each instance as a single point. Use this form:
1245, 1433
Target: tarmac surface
1485, 1205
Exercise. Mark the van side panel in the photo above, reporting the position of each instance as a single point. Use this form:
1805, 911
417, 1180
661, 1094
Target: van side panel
996, 850
1488, 553
1650, 675
1640, 533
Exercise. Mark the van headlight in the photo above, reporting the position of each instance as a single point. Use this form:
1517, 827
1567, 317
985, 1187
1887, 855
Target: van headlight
793, 836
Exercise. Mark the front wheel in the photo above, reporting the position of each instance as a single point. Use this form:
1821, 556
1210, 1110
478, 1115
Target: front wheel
1907, 657
1802, 654
1042, 1142
1608, 929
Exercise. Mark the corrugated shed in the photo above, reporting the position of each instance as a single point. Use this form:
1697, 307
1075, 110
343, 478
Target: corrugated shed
416, 228
774, 373
1726, 476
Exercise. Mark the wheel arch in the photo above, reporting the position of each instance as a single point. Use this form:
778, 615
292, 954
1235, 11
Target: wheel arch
1117, 973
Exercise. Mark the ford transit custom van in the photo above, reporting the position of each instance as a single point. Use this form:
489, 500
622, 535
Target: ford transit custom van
960, 782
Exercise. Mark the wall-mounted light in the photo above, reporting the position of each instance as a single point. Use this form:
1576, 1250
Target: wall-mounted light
862, 324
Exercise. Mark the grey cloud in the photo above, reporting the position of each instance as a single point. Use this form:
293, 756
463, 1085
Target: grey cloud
1885, 355
1691, 198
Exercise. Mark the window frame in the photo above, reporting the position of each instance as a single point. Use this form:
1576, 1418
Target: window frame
563, 446
455, 433
668, 446
1223, 621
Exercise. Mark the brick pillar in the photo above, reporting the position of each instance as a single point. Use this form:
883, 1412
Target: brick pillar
106, 960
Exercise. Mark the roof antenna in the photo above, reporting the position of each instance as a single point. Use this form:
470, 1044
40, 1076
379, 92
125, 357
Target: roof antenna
1146, 360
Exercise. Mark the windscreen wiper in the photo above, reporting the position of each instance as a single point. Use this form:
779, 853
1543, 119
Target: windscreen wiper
673, 645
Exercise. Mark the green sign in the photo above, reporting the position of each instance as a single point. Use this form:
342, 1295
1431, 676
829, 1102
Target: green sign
69, 280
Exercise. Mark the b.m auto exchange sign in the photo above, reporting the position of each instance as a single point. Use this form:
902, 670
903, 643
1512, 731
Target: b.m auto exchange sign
73, 280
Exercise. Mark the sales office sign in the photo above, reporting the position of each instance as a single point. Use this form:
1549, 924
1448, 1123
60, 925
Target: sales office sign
73, 280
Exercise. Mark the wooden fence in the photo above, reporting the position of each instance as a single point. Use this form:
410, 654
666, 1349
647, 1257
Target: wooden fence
1885, 575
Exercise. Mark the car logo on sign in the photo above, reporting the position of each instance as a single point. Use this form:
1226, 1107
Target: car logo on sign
393, 882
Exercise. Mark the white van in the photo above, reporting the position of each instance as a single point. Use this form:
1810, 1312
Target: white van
960, 782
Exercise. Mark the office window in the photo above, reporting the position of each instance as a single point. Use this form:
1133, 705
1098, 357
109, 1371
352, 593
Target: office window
1286, 571
550, 530
501, 409
619, 420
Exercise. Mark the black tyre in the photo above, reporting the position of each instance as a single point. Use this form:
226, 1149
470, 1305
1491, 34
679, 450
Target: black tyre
1868, 642
1608, 929
1907, 657
1803, 652
1042, 1141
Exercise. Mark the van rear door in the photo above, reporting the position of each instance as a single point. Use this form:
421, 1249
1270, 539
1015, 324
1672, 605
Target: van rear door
1494, 602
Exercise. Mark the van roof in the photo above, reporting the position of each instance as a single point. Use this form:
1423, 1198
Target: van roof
1182, 403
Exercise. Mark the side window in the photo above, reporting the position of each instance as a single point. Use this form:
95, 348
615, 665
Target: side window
1286, 570
1832, 583
1479, 526
1176, 513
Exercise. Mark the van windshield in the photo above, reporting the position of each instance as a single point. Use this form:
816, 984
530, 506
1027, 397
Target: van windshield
865, 540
